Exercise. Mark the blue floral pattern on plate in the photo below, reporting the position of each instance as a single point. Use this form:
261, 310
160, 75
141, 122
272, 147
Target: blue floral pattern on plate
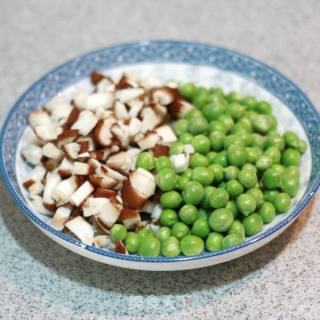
157, 52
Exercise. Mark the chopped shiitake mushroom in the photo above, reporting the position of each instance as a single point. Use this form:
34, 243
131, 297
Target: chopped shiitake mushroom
84, 155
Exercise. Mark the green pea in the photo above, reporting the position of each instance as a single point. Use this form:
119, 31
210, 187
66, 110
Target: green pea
250, 102
274, 154
271, 179
218, 198
188, 90
237, 228
217, 170
202, 214
270, 195
246, 123
201, 100
170, 247
187, 173
217, 92
227, 121
201, 144
230, 240
166, 179
221, 158
198, 125
216, 140
257, 194
302, 146
258, 141
250, 167
163, 162
118, 232
233, 96
279, 168
149, 247
213, 111
214, 241
252, 154
176, 148
179, 230
188, 214
132, 242
232, 139
232, 206
205, 200
291, 139
253, 224
145, 160
198, 160
163, 233
263, 162
193, 114
235, 110
210, 156
200, 228
168, 217
171, 199
144, 233
236, 155
181, 182
290, 185
273, 122
181, 126
186, 138
191, 245
193, 193
261, 124
263, 107
217, 126
231, 172
234, 188
222, 185
282, 202
246, 204
274, 139
267, 212
292, 171
202, 175
290, 157
248, 178
220, 220
245, 137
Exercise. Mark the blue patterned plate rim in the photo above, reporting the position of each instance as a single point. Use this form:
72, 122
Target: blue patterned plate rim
28, 212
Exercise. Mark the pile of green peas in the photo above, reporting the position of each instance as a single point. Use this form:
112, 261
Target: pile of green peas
242, 174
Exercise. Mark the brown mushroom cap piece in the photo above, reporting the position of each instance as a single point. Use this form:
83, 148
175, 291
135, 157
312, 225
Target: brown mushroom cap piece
102, 134
132, 198
129, 218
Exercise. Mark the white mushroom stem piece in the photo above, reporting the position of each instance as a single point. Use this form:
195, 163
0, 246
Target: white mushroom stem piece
32, 154
81, 169
50, 151
166, 133
126, 95
63, 191
61, 215
85, 123
82, 229
52, 180
81, 194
